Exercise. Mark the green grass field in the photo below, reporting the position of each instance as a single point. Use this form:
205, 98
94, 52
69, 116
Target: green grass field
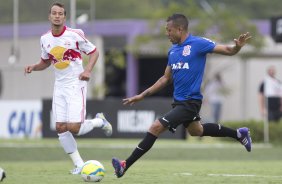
206, 161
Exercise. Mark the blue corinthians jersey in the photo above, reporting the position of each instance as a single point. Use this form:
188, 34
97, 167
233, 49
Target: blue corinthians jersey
187, 62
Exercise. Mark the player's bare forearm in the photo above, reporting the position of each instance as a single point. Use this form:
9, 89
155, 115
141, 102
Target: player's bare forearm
85, 75
228, 50
162, 82
231, 50
42, 65
92, 61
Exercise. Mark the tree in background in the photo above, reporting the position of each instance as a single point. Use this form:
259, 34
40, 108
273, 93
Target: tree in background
131, 9
215, 22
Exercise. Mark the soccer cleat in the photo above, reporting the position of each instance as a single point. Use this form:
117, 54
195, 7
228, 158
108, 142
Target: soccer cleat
119, 167
245, 138
76, 170
107, 127
3, 175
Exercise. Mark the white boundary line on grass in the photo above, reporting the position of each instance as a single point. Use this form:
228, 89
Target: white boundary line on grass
231, 175
185, 174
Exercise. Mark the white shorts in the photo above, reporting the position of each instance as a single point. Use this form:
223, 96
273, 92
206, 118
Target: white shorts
69, 103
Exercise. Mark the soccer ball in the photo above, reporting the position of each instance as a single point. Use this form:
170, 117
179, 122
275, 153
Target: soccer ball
92, 171
2, 174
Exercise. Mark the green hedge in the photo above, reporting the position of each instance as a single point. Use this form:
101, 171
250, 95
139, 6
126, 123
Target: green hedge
257, 129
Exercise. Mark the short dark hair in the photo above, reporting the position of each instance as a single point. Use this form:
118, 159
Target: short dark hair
179, 20
60, 5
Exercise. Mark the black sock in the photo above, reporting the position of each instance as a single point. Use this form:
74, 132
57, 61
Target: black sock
141, 149
217, 130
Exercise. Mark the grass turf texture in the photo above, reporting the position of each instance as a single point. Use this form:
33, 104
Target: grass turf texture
170, 161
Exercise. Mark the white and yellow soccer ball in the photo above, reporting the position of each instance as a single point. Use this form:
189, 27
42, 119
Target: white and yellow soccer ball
92, 171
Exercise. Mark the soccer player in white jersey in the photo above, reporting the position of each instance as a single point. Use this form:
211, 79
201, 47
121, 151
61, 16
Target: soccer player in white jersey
62, 47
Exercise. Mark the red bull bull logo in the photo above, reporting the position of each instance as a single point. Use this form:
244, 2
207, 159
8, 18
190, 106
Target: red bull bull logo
61, 57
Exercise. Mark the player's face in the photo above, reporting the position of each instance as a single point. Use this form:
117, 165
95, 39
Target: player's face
173, 33
57, 16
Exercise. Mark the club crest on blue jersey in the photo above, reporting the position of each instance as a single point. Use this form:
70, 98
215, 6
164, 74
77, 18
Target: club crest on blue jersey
186, 50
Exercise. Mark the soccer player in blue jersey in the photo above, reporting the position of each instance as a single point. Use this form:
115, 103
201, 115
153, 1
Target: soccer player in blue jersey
185, 69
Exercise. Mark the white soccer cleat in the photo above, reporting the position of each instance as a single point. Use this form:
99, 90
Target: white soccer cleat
107, 127
2, 174
76, 170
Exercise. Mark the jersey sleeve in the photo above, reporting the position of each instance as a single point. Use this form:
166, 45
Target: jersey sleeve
84, 44
206, 45
44, 54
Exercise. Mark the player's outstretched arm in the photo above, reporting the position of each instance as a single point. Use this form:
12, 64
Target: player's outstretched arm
233, 49
37, 67
161, 83
132, 100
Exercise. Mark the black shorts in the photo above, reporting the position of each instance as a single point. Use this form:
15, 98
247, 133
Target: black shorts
182, 112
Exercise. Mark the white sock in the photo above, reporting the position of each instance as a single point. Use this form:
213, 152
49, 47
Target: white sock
76, 159
89, 124
70, 146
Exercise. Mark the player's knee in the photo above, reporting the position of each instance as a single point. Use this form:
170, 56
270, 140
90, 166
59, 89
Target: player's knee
156, 128
61, 127
195, 129
73, 127
195, 132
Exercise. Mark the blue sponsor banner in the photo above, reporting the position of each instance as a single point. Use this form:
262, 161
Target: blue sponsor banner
20, 119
